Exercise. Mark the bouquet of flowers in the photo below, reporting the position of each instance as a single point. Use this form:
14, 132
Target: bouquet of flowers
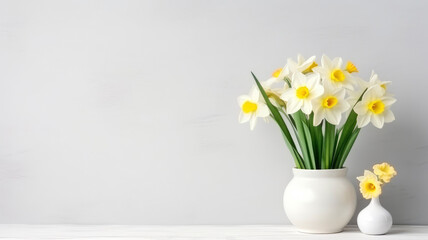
312, 99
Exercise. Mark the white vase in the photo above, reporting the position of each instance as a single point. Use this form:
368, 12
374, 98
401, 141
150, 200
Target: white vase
374, 219
320, 201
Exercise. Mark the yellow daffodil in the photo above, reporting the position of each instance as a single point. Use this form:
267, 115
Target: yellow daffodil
384, 171
370, 186
252, 107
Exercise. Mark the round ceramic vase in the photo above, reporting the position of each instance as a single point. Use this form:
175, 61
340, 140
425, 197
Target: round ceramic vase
320, 201
374, 219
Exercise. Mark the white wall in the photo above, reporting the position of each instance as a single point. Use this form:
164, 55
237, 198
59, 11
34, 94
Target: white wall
125, 112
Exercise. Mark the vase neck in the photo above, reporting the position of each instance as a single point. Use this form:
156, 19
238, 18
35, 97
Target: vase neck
375, 201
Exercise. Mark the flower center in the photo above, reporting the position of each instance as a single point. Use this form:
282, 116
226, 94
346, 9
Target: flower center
383, 86
376, 106
302, 92
337, 75
329, 102
277, 72
350, 67
249, 107
370, 187
384, 169
309, 69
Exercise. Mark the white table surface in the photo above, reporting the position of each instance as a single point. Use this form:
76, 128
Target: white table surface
233, 232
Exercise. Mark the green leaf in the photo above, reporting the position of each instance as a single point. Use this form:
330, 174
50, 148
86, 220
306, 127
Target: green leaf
348, 147
317, 139
346, 132
309, 144
278, 118
329, 135
296, 156
301, 138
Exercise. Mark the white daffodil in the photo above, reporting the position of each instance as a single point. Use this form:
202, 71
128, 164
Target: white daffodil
303, 90
355, 94
363, 85
274, 92
330, 106
252, 107
374, 80
302, 65
374, 107
333, 74
277, 76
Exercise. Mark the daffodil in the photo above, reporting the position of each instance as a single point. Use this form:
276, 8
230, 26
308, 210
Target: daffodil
374, 80
355, 94
274, 92
252, 107
277, 76
333, 73
330, 106
374, 107
274, 95
370, 186
384, 171
303, 90
302, 65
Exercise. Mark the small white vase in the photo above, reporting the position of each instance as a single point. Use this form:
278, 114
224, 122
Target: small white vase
320, 201
374, 219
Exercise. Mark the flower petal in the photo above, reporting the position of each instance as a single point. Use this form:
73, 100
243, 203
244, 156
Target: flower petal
307, 107
375, 91
389, 116
317, 91
361, 108
288, 94
322, 71
326, 62
242, 99
255, 94
298, 79
378, 120
253, 122
318, 116
294, 105
268, 83
262, 110
342, 106
336, 62
332, 117
363, 120
388, 101
313, 80
244, 117
369, 174
340, 93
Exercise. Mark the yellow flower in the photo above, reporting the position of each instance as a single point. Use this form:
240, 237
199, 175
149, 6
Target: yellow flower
369, 185
384, 171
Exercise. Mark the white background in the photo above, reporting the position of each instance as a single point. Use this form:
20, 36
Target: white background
124, 112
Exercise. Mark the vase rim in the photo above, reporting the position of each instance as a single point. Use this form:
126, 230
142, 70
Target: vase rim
337, 172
